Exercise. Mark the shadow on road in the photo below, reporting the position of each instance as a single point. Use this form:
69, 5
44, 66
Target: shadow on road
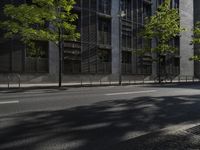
103, 126
190, 85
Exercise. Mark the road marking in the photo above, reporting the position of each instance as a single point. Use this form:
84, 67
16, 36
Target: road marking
126, 93
9, 102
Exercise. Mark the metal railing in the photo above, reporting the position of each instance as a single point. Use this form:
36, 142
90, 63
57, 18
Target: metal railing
14, 80
177, 79
140, 79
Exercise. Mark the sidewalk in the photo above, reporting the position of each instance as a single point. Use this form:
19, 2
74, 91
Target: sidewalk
78, 84
75, 84
182, 139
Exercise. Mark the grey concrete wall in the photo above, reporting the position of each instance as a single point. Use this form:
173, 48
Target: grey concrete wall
186, 50
115, 37
53, 60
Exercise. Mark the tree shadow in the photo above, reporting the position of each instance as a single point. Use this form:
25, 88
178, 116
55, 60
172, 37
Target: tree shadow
100, 126
184, 85
160, 141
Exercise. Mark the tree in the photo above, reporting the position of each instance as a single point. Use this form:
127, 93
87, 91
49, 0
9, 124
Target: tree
163, 26
41, 20
196, 40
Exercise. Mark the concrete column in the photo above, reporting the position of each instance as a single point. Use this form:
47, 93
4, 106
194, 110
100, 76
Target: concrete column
186, 50
115, 38
53, 60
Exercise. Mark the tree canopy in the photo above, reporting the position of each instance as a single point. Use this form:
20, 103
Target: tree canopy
196, 40
41, 20
163, 26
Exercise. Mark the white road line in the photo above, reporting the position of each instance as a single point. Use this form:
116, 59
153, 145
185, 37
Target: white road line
9, 102
126, 93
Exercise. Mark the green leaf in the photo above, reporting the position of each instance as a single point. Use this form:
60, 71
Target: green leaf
40, 21
163, 26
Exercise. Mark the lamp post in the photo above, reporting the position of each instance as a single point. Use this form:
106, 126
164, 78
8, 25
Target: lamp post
60, 45
159, 68
120, 15
60, 56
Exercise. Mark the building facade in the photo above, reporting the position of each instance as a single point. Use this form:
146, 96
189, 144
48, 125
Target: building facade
109, 44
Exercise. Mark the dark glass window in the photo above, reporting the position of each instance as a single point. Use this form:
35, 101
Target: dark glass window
126, 39
85, 4
72, 57
135, 10
126, 62
93, 5
176, 3
104, 31
105, 6
78, 3
159, 2
126, 7
104, 61
126, 57
140, 11
104, 55
146, 10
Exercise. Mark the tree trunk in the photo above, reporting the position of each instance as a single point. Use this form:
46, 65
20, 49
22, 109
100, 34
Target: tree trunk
60, 59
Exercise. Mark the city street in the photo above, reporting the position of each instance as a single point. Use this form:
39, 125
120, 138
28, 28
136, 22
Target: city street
134, 117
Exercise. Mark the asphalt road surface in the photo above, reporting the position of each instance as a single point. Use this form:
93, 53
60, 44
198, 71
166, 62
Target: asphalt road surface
101, 118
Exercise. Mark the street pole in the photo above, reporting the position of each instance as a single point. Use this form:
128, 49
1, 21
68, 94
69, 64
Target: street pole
159, 67
60, 46
120, 47
60, 57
